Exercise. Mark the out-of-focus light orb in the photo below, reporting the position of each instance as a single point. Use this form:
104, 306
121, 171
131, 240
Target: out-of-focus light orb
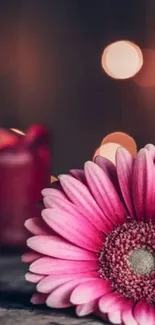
122, 59
107, 150
17, 131
122, 139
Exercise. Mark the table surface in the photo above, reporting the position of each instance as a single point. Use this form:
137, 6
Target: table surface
15, 306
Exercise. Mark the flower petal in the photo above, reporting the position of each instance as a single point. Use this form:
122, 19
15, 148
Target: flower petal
124, 166
79, 194
37, 226
54, 201
56, 247
109, 168
101, 315
38, 298
77, 230
115, 317
64, 204
144, 313
151, 149
143, 185
86, 309
105, 193
111, 302
34, 278
51, 282
53, 191
127, 316
30, 257
49, 265
60, 297
79, 174
85, 291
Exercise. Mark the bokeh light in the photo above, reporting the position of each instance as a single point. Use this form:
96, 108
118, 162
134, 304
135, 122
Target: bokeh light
122, 139
108, 151
122, 59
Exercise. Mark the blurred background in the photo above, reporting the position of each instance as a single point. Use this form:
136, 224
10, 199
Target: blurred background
51, 73
60, 67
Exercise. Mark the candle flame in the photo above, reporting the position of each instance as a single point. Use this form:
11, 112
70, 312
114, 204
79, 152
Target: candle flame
17, 131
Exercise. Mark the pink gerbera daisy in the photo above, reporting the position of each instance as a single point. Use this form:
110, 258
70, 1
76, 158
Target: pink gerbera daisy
94, 247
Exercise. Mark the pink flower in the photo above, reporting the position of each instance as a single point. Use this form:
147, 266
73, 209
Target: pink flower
94, 247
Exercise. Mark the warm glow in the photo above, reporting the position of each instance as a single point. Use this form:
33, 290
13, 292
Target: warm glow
108, 151
6, 138
53, 179
123, 139
122, 59
146, 77
18, 131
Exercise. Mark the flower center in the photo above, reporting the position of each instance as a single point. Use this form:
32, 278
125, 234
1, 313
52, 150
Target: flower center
141, 261
127, 260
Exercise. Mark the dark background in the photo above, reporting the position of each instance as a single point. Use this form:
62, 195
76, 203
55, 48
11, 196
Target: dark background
50, 72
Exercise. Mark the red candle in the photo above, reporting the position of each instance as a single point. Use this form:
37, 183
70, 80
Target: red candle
24, 172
